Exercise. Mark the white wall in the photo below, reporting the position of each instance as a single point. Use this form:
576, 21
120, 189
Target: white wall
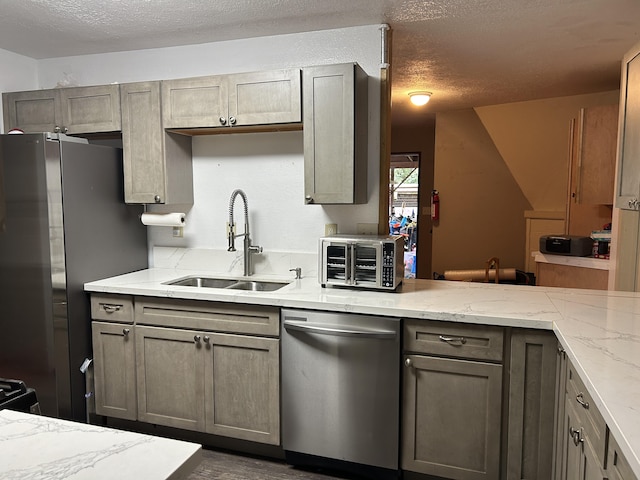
17, 73
267, 166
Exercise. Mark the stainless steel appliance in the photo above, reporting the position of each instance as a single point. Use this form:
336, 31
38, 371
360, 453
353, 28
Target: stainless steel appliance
340, 391
363, 261
65, 224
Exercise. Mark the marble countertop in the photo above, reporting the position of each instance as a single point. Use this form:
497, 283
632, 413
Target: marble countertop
43, 448
599, 330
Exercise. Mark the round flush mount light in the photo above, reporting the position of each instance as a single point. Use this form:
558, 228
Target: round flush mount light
419, 98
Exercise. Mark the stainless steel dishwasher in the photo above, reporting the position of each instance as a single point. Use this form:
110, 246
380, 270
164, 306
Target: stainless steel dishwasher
341, 391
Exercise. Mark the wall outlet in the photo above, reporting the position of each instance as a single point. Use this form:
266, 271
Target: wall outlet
367, 228
330, 228
178, 232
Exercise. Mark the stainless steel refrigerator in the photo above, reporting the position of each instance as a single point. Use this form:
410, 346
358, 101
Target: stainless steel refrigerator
65, 223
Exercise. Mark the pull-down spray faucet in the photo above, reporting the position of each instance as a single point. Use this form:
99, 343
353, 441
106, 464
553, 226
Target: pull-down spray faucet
248, 249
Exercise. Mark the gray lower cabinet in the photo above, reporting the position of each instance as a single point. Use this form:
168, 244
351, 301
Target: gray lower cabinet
584, 444
617, 466
72, 110
256, 98
157, 164
335, 106
114, 369
452, 407
203, 366
216, 383
532, 402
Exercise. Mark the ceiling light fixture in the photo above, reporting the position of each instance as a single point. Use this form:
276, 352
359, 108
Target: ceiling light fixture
420, 98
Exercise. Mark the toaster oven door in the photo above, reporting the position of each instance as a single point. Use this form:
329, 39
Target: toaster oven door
366, 264
336, 261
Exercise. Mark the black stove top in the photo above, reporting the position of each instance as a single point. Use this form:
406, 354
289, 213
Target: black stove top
15, 395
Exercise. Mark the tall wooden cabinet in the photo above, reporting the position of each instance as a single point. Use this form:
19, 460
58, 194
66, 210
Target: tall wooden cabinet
592, 174
72, 110
335, 101
157, 164
628, 180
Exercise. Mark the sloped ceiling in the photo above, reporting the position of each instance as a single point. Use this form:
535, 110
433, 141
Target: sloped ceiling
467, 53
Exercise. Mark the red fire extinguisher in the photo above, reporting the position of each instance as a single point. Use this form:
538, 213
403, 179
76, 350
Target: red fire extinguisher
435, 205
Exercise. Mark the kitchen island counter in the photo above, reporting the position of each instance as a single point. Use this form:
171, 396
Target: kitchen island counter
39, 447
599, 330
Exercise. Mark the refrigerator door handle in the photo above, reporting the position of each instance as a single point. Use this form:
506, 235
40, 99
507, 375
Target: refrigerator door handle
339, 330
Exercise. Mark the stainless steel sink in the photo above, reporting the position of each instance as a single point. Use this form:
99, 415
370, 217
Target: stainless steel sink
203, 282
210, 282
257, 286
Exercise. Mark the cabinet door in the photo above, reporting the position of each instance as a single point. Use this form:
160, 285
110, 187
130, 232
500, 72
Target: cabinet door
452, 412
628, 181
262, 98
561, 432
157, 164
594, 164
194, 102
335, 134
532, 382
90, 109
170, 377
243, 387
32, 111
114, 369
572, 449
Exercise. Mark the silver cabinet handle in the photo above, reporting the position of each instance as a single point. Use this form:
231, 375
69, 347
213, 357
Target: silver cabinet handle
206, 339
111, 308
452, 340
196, 338
408, 362
232, 120
338, 330
65, 129
576, 435
57, 129
580, 400
157, 199
126, 331
223, 121
308, 199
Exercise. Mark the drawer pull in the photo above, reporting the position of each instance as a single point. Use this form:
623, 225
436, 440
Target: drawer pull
453, 340
580, 400
126, 331
111, 308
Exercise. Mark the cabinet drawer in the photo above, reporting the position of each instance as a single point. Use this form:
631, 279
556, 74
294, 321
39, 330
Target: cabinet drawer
114, 308
617, 466
587, 414
212, 316
478, 342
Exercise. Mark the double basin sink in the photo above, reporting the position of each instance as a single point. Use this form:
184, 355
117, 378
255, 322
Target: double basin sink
228, 284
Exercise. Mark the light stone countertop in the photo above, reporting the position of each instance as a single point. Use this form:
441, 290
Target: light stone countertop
599, 330
36, 447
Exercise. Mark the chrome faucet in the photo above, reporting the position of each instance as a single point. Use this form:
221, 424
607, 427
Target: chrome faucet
231, 233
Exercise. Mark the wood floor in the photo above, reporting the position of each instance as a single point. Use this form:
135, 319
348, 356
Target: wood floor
226, 466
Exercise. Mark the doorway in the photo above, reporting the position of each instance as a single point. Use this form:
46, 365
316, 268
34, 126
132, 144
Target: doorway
404, 186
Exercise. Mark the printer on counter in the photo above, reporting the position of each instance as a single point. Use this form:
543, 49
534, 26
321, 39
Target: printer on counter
573, 245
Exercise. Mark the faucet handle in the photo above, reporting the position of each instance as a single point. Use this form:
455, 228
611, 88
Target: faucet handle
255, 249
298, 271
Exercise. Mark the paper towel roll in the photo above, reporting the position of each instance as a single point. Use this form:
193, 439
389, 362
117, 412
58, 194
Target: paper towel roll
174, 219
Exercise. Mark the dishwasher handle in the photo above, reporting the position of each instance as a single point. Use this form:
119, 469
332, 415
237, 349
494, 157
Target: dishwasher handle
339, 330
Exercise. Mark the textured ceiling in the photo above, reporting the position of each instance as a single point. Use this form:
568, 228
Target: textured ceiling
467, 52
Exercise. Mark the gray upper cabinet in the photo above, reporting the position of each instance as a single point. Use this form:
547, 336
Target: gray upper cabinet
74, 110
157, 164
245, 99
628, 181
335, 134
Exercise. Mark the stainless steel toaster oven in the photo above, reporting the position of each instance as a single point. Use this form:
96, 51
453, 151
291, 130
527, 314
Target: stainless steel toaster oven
362, 261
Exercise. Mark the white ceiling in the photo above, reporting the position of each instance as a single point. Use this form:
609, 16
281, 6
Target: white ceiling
467, 52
